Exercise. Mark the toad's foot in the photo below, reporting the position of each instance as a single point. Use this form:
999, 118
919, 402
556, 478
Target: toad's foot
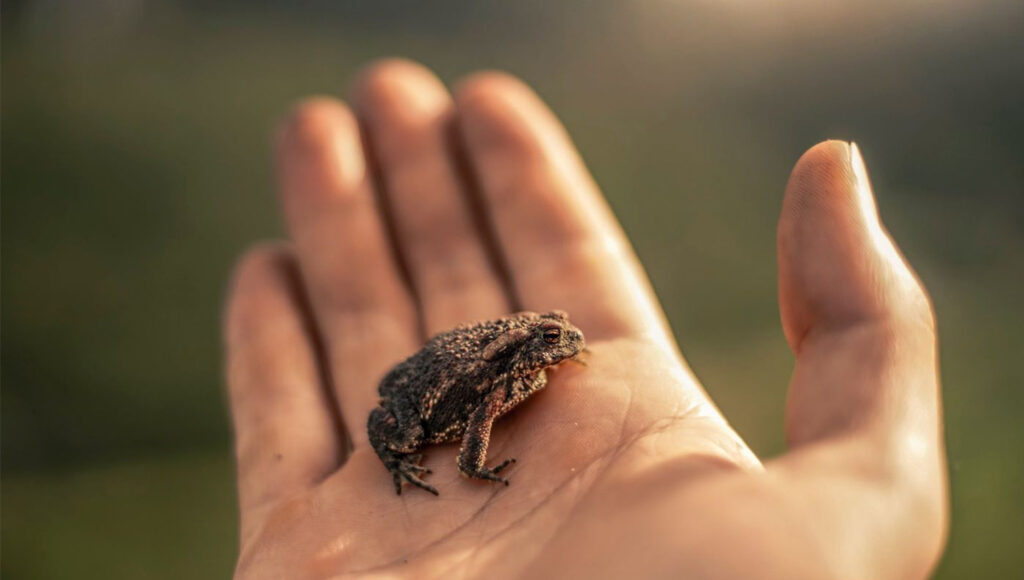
408, 469
490, 474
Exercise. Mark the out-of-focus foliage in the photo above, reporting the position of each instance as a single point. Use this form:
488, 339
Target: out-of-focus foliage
135, 167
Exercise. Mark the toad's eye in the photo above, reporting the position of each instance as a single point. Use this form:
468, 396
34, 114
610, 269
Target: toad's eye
552, 335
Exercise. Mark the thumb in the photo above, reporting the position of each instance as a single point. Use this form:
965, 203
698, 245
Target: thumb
854, 313
863, 416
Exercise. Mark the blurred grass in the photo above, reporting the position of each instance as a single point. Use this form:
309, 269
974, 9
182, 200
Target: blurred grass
135, 168
165, 517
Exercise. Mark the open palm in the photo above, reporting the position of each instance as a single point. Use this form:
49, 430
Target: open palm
430, 211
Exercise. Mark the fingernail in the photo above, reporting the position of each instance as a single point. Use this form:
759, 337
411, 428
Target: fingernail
863, 185
869, 209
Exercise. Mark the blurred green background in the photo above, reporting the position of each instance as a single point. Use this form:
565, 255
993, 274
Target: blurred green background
135, 168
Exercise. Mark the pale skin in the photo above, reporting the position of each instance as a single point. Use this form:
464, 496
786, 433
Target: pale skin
626, 467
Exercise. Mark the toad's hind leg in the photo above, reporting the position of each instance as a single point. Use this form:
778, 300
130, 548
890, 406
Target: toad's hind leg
473, 453
396, 448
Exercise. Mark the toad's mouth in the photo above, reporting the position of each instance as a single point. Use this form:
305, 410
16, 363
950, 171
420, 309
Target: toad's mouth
579, 358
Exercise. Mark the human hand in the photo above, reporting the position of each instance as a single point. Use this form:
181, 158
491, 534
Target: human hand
627, 469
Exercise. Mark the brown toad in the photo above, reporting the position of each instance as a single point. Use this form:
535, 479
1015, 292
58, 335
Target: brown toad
459, 383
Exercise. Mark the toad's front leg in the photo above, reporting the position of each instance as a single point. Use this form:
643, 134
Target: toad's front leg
473, 453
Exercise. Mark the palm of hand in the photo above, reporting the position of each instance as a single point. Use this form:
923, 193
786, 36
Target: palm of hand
566, 439
627, 451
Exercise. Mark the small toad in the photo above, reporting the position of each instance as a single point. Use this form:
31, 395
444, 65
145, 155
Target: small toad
459, 383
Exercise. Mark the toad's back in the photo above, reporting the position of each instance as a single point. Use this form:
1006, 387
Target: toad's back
441, 384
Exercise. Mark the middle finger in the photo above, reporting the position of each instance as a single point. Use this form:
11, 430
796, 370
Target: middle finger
407, 112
